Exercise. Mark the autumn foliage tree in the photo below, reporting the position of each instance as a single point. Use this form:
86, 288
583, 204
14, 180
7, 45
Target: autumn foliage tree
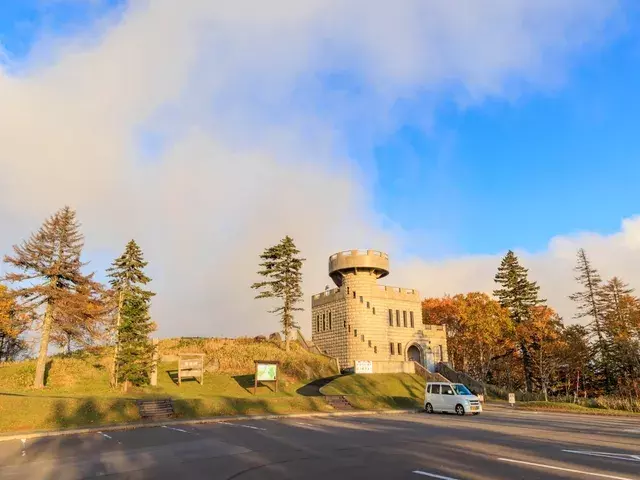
49, 279
479, 330
13, 323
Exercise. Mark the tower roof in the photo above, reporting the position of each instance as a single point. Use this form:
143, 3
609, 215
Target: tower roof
350, 261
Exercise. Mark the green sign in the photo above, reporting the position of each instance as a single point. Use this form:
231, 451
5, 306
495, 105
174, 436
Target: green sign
266, 372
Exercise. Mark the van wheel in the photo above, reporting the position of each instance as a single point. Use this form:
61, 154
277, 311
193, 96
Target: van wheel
459, 409
429, 408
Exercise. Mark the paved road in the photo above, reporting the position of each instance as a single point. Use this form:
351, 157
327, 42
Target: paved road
498, 444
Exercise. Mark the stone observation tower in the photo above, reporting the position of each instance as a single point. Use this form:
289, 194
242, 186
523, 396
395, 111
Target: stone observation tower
363, 320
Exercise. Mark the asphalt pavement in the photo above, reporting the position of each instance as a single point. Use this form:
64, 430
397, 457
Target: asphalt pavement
498, 444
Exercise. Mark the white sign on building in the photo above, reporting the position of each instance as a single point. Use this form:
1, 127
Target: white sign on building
364, 366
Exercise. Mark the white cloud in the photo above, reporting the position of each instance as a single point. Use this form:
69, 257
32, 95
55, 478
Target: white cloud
255, 148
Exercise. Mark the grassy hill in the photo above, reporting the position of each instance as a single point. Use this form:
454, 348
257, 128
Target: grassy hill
382, 390
78, 391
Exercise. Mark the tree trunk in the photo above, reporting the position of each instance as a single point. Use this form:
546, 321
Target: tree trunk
41, 364
526, 365
68, 343
114, 369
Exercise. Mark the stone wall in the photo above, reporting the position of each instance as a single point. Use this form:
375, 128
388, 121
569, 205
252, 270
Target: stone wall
394, 367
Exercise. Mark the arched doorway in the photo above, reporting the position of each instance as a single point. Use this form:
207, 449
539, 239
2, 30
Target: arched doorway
414, 354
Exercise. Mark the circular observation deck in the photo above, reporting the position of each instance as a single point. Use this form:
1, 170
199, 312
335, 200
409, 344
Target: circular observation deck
350, 261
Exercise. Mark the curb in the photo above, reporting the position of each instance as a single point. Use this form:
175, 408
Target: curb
195, 421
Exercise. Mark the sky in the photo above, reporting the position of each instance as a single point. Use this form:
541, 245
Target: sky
443, 133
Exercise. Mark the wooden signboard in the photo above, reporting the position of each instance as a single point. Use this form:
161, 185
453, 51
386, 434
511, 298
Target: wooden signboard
191, 365
266, 371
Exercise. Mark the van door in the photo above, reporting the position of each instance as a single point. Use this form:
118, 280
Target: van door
434, 397
448, 398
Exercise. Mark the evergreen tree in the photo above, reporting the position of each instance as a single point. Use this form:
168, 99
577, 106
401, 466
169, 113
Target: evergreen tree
282, 267
135, 353
132, 324
589, 302
620, 310
519, 296
50, 277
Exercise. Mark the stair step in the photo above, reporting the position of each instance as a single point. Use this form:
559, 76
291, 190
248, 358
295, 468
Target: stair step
155, 408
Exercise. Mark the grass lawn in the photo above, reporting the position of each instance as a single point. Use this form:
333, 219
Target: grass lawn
379, 391
572, 408
78, 394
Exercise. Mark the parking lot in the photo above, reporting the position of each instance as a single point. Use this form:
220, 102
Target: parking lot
499, 444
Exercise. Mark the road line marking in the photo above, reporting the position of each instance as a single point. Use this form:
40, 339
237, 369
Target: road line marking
617, 456
105, 435
432, 475
602, 475
176, 429
305, 424
241, 425
632, 430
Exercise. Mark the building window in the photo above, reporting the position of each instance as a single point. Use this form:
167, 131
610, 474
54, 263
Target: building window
390, 318
361, 299
399, 349
324, 322
318, 323
439, 353
411, 319
369, 343
347, 290
362, 337
404, 318
392, 349
355, 332
374, 310
349, 327
354, 294
345, 324
397, 318
368, 305
375, 349
329, 320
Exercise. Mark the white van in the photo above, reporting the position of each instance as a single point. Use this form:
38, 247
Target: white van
450, 397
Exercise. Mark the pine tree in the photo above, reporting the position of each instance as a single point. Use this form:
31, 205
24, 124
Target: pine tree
590, 304
50, 277
519, 296
132, 324
135, 353
282, 267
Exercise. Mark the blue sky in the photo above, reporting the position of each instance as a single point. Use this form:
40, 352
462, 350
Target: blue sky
205, 117
494, 175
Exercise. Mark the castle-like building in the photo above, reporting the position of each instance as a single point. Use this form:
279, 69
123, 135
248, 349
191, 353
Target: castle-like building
362, 320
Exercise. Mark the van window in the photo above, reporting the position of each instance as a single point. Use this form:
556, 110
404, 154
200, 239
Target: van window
435, 389
447, 390
429, 388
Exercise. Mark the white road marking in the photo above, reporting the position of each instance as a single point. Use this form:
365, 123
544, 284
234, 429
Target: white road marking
617, 456
105, 435
176, 429
602, 475
24, 446
244, 426
632, 430
432, 475
304, 424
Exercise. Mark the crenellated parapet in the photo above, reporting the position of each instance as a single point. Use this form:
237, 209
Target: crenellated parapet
352, 261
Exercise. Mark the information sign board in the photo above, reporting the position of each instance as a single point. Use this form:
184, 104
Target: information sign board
364, 366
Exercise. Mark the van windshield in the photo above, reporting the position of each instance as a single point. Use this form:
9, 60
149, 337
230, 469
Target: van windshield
461, 389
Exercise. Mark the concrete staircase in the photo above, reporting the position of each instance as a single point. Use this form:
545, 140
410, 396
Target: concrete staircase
338, 402
155, 409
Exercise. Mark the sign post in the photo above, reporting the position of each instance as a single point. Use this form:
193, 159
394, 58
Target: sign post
190, 365
266, 371
512, 399
364, 366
